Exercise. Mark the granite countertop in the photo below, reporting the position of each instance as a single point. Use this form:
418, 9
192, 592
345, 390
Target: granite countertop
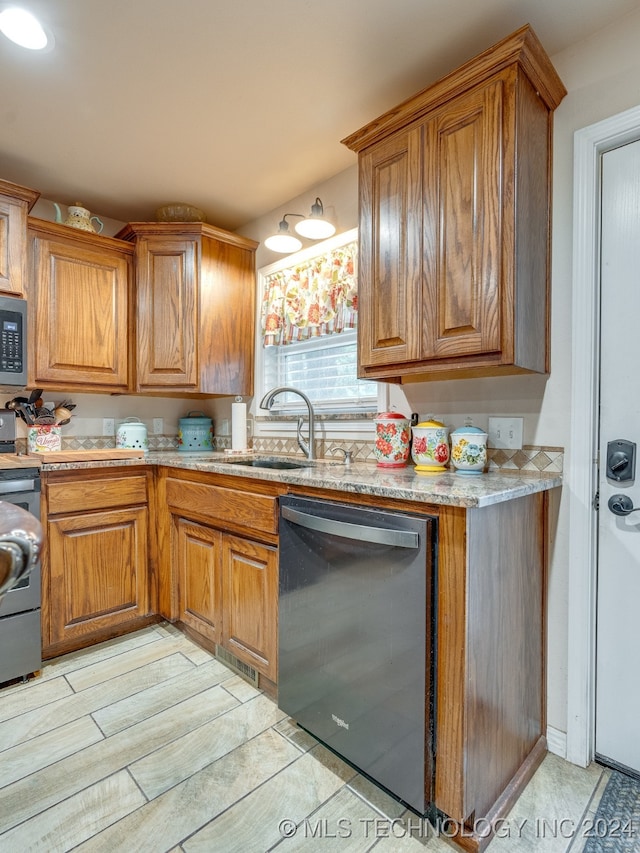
363, 478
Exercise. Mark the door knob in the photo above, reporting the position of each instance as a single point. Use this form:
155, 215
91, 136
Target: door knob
621, 505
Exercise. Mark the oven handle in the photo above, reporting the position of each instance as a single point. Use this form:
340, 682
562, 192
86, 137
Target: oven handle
360, 532
7, 487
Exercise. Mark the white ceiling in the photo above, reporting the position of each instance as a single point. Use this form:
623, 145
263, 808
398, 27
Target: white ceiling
233, 106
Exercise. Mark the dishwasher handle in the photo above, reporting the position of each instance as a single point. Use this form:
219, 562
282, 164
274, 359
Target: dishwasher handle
360, 532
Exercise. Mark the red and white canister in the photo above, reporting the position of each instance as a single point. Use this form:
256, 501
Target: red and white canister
393, 435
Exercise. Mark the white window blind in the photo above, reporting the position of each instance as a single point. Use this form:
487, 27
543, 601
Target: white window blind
325, 369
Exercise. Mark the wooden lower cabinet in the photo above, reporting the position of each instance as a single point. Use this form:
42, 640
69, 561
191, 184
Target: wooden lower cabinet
198, 562
220, 569
250, 599
98, 564
212, 563
96, 560
228, 591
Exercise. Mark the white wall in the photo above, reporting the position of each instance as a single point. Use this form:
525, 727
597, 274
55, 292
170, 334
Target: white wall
602, 75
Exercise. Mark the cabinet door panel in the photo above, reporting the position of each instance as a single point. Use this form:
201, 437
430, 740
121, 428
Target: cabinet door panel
98, 565
197, 556
167, 314
81, 316
227, 318
390, 250
462, 226
250, 583
13, 232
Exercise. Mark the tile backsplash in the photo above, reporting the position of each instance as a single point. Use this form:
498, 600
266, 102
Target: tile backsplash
530, 459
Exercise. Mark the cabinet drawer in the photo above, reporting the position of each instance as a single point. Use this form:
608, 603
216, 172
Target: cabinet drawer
219, 504
97, 494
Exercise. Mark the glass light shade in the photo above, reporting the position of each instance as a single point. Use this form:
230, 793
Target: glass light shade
21, 27
315, 229
283, 243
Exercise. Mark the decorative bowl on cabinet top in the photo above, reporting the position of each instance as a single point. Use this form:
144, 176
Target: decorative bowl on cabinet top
179, 212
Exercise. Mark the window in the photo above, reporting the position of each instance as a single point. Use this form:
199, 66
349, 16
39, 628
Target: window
308, 321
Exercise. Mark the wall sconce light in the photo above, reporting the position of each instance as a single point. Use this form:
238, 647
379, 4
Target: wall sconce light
314, 227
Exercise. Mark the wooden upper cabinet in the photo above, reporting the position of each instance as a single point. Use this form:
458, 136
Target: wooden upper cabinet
15, 203
462, 221
167, 319
455, 198
390, 248
195, 288
80, 313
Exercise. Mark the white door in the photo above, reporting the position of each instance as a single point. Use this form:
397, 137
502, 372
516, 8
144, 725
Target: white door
618, 595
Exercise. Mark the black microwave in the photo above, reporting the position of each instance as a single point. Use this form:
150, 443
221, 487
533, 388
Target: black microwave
13, 342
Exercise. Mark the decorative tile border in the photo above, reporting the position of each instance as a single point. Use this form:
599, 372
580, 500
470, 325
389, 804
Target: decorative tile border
95, 442
532, 459
361, 451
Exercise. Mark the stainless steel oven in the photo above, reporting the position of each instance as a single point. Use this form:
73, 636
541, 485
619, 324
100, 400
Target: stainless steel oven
20, 633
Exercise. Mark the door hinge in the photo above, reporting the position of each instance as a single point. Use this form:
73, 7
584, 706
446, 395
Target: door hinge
595, 503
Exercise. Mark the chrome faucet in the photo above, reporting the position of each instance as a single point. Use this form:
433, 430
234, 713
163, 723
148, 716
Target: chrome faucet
307, 447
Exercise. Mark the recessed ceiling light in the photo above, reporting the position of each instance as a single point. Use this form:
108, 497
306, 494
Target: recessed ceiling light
23, 28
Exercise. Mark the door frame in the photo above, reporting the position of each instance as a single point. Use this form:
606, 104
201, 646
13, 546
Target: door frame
589, 144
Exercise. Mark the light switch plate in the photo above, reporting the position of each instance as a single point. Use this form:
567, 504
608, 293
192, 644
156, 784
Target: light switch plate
108, 426
158, 426
506, 433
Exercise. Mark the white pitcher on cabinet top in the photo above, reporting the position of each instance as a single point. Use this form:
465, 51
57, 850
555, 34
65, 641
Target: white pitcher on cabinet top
79, 217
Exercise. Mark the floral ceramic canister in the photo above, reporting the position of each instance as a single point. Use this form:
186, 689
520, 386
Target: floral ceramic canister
195, 432
44, 438
430, 446
469, 449
132, 434
393, 435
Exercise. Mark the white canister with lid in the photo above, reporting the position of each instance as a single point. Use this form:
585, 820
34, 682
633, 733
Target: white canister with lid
469, 449
132, 435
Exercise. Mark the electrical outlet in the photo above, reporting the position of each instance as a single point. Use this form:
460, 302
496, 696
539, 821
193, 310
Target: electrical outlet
506, 433
108, 426
158, 426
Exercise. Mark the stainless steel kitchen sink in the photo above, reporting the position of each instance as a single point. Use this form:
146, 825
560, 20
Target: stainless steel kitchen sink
277, 464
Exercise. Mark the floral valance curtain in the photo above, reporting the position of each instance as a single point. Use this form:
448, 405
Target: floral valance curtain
313, 298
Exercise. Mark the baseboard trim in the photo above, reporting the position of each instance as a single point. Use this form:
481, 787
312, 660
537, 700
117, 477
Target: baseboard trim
557, 742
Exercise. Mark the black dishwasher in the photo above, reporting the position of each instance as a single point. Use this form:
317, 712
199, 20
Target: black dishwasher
356, 637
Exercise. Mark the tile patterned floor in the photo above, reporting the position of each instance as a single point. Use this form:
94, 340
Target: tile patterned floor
147, 743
